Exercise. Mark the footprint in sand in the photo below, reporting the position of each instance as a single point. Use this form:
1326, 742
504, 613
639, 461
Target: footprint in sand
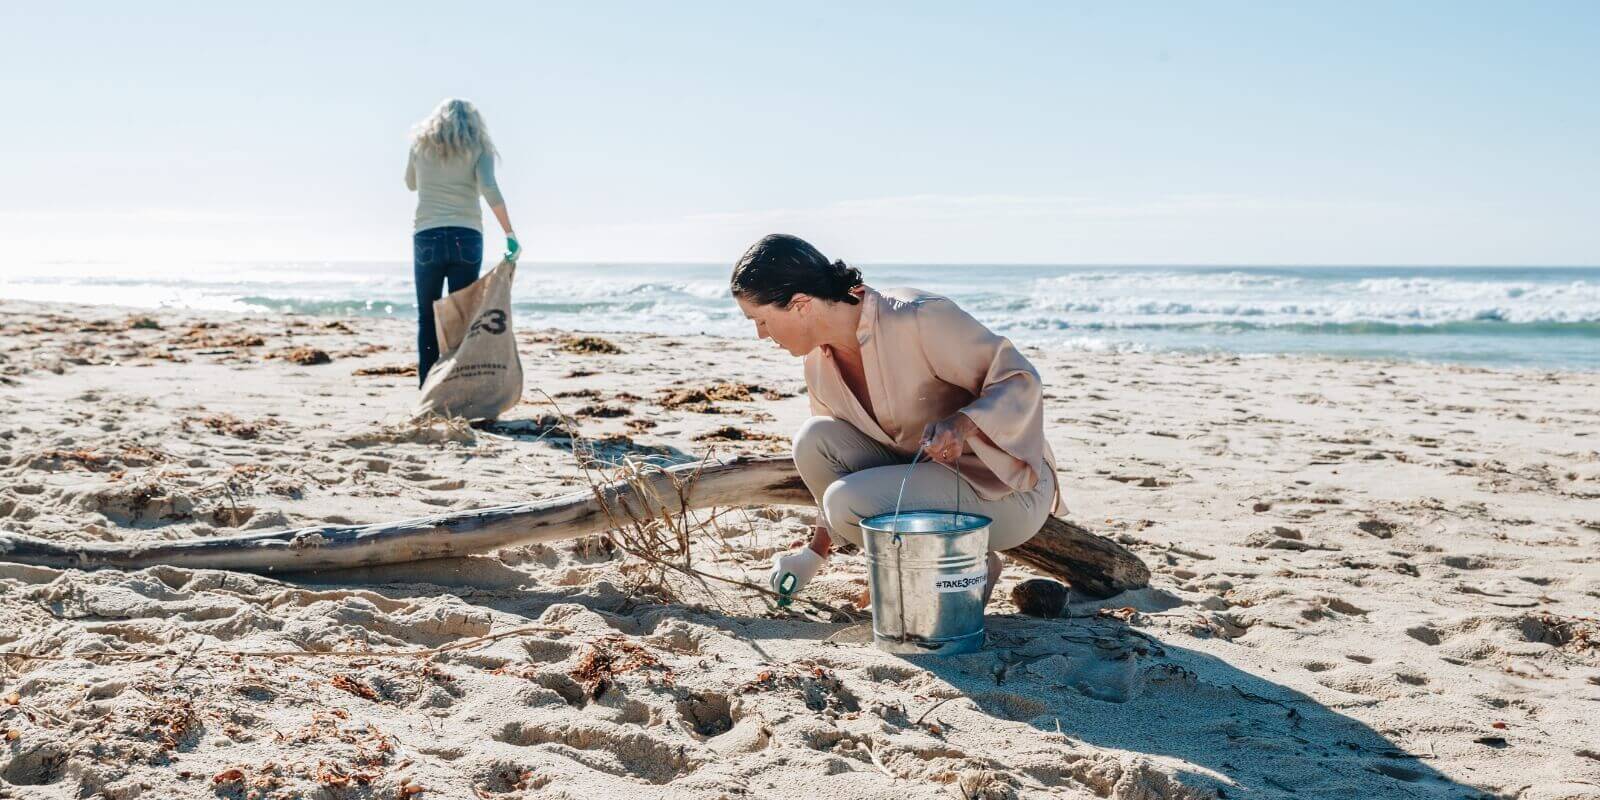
1470, 562
890, 673
1214, 444
1364, 683
1425, 634
621, 750
554, 686
16, 510
707, 714
42, 764
544, 651
505, 777
679, 637
369, 463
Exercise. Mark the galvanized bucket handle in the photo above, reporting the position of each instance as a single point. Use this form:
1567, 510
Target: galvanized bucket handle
902, 495
900, 576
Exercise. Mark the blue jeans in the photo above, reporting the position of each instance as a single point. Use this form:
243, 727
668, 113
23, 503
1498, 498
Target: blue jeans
440, 255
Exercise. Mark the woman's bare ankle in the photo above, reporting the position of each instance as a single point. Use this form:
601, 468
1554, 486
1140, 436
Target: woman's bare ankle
821, 541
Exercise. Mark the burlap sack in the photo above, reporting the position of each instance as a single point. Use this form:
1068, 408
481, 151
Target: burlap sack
478, 374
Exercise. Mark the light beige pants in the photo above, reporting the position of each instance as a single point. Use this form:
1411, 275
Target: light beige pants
853, 477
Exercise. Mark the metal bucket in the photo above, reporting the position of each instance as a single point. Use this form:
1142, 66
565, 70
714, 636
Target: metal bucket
926, 571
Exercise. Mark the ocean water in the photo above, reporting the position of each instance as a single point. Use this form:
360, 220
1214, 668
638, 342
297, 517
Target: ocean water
1503, 316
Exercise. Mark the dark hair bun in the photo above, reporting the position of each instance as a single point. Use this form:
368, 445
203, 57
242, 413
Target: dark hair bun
781, 266
846, 276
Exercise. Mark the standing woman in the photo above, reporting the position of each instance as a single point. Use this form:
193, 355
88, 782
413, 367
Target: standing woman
450, 166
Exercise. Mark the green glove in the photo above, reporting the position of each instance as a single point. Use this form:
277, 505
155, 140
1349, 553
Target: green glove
513, 249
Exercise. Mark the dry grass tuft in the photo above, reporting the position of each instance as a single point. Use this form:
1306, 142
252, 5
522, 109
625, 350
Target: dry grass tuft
230, 425
588, 345
87, 459
609, 657
172, 721
199, 337
703, 399
734, 433
602, 411
305, 356
400, 370
355, 687
651, 522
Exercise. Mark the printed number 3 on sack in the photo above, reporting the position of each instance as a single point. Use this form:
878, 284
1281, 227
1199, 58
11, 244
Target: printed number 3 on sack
491, 321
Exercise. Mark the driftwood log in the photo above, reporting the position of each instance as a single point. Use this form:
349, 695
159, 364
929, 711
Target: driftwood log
1091, 564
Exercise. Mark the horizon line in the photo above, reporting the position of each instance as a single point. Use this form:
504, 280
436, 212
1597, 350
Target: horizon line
864, 263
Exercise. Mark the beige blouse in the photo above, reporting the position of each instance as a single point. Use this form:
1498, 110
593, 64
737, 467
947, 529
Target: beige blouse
926, 359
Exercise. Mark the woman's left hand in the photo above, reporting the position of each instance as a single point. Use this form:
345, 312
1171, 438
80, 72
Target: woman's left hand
944, 440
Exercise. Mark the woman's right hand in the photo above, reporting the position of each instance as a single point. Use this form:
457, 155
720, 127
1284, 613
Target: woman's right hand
513, 248
943, 440
791, 572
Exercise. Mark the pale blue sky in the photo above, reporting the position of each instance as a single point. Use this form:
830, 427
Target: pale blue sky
1155, 133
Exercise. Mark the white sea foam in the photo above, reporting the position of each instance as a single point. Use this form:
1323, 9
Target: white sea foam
1154, 298
1540, 314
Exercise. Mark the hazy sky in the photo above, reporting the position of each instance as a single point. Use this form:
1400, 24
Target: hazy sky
1237, 133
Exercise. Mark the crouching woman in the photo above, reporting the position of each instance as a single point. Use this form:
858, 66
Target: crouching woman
890, 372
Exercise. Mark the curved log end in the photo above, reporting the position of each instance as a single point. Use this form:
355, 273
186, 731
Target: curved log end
1092, 564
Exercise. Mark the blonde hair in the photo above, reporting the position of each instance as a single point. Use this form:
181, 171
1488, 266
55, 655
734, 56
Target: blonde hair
454, 129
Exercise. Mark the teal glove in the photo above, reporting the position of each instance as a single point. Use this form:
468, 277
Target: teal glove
513, 249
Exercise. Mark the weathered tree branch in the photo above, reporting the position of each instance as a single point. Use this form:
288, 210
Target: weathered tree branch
1092, 564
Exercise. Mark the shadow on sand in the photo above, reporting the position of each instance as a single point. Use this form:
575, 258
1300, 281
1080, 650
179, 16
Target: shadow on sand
1093, 678
607, 452
1102, 682
1098, 680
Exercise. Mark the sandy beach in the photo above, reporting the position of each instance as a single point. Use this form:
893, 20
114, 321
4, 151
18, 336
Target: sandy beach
1371, 579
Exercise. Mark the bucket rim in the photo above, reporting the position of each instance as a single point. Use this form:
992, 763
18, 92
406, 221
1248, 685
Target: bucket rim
970, 522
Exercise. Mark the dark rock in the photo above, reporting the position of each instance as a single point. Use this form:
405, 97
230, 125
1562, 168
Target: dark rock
1040, 597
